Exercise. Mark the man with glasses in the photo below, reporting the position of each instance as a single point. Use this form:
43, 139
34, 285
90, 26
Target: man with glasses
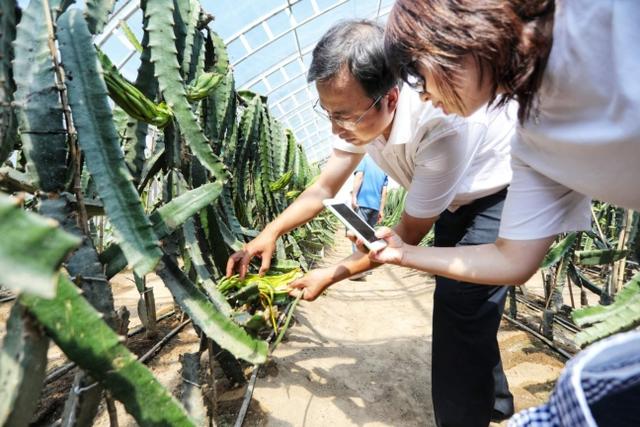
455, 171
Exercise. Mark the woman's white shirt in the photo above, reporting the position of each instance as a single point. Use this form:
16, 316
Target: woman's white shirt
584, 140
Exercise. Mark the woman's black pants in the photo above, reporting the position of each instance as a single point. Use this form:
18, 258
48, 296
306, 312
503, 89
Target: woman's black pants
468, 382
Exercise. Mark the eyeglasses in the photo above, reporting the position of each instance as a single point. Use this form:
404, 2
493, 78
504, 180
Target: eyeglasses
350, 125
409, 73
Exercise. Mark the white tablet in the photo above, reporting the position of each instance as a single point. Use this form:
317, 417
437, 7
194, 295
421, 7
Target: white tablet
355, 223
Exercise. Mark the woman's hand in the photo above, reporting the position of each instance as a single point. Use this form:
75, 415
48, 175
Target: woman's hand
311, 284
357, 242
394, 252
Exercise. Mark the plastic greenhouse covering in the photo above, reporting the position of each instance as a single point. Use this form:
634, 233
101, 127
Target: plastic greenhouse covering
269, 44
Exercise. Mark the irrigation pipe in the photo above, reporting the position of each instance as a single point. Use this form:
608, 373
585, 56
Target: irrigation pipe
538, 335
247, 397
149, 354
60, 371
140, 328
254, 376
143, 359
560, 321
7, 299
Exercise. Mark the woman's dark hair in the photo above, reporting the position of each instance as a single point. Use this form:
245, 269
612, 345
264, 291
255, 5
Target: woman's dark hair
359, 45
511, 39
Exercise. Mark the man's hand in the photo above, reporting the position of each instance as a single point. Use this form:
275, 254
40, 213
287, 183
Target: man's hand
354, 204
312, 284
380, 217
262, 246
393, 252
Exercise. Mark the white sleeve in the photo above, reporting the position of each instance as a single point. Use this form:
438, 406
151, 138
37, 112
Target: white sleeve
537, 206
441, 163
342, 145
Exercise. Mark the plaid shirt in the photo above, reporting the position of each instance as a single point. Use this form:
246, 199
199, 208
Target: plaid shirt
609, 366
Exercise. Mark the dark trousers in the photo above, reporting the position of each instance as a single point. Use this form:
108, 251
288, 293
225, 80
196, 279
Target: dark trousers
369, 215
468, 381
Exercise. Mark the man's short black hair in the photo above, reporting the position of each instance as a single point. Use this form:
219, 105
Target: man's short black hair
358, 44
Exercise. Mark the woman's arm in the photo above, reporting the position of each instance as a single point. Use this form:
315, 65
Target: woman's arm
503, 262
316, 281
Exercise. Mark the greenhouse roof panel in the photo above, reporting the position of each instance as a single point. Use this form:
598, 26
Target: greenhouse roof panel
269, 44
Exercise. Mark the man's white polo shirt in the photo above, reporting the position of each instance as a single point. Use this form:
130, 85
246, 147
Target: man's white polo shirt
444, 161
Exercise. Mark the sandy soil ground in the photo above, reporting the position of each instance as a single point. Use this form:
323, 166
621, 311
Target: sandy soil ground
360, 356
357, 356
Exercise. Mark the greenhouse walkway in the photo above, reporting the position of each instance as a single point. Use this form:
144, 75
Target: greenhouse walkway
360, 356
357, 356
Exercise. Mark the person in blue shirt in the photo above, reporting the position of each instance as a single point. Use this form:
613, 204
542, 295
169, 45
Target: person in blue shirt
369, 191
368, 197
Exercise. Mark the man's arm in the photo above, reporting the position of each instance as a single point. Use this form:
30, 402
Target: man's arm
316, 281
338, 168
503, 262
357, 183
